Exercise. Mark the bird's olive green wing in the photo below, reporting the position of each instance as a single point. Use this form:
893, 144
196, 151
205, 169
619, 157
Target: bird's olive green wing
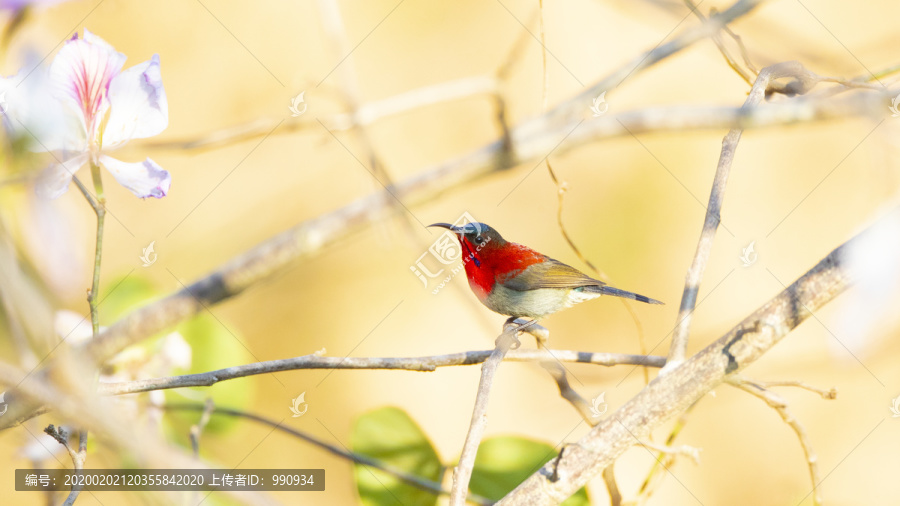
549, 274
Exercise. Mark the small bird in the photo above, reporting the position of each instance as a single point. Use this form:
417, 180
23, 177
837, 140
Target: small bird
517, 281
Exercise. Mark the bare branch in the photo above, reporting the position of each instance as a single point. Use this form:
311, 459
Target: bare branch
803, 81
78, 460
342, 51
717, 39
780, 405
686, 451
462, 473
829, 394
78, 456
198, 427
609, 476
400, 363
581, 405
663, 462
672, 393
366, 114
568, 393
575, 108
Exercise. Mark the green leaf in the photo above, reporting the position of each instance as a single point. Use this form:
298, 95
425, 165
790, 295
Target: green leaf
214, 347
123, 295
391, 436
504, 462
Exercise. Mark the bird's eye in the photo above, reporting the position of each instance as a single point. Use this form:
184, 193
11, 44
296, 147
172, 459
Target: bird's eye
479, 240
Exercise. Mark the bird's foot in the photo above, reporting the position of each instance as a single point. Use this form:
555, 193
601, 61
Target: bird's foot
511, 328
519, 325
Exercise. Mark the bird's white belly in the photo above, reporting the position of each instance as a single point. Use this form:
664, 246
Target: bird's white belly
534, 303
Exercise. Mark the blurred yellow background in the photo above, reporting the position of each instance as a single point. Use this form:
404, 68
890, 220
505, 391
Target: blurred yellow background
634, 206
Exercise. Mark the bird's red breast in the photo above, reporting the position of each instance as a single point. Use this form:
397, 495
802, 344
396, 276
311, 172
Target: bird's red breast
496, 264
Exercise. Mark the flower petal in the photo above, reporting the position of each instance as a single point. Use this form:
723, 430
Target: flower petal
82, 72
55, 179
144, 179
31, 112
138, 105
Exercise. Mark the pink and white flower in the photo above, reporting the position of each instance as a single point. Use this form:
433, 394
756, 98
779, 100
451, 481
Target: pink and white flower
103, 107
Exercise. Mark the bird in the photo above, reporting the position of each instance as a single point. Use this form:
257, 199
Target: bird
517, 281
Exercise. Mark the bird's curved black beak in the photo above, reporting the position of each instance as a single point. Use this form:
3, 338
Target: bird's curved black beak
455, 230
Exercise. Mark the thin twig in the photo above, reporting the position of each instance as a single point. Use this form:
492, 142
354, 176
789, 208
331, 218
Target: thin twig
100, 210
685, 451
462, 473
581, 405
316, 361
609, 476
78, 456
829, 394
717, 39
342, 52
569, 110
663, 461
780, 405
803, 81
366, 114
409, 479
558, 373
197, 428
672, 393
740, 44
99, 207
514, 55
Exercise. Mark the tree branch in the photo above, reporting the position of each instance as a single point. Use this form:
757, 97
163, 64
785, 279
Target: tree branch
780, 405
663, 461
402, 363
462, 473
78, 456
803, 82
581, 405
672, 393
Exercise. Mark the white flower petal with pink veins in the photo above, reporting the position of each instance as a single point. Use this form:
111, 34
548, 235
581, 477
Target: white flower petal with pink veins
30, 113
55, 179
144, 179
139, 107
82, 72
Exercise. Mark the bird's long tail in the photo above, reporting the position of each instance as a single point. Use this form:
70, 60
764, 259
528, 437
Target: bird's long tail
608, 290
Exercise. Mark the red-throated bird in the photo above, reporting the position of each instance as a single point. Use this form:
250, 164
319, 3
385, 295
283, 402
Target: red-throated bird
517, 281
